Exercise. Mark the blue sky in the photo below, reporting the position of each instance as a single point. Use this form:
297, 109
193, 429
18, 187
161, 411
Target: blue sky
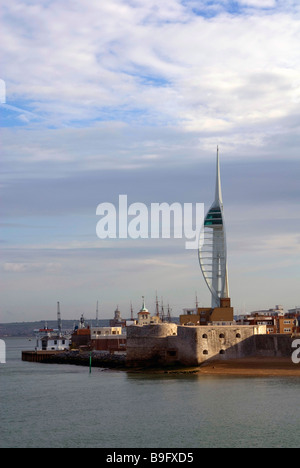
133, 96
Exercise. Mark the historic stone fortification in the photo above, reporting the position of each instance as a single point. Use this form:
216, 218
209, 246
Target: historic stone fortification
168, 343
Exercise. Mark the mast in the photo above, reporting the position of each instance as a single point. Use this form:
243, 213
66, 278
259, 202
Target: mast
97, 314
169, 314
157, 306
131, 311
162, 311
59, 326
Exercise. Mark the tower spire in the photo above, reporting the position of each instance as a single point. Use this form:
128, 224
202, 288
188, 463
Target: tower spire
218, 196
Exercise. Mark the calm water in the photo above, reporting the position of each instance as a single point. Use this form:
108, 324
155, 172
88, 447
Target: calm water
63, 406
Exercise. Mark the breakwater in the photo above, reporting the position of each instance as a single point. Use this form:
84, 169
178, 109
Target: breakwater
109, 361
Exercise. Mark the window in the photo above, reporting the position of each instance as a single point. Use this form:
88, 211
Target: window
222, 351
204, 336
238, 335
205, 351
221, 335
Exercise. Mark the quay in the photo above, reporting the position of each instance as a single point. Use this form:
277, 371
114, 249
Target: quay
78, 358
39, 356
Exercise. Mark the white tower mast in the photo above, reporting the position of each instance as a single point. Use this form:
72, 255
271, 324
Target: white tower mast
213, 248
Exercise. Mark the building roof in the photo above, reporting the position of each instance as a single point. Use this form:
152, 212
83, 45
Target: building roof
53, 337
144, 310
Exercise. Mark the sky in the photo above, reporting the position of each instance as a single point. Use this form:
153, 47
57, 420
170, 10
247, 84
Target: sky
100, 99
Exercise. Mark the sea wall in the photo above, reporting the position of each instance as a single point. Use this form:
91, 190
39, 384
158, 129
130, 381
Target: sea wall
151, 344
273, 345
198, 344
167, 344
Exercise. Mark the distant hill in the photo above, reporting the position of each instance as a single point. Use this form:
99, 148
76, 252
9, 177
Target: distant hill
26, 329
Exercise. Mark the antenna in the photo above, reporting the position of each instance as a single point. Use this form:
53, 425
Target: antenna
59, 320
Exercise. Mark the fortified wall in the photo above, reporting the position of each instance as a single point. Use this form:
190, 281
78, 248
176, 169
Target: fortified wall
166, 344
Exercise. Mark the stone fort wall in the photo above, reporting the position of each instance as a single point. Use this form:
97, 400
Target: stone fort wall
166, 344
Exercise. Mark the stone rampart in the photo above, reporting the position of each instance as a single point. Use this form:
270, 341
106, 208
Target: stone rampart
166, 344
151, 344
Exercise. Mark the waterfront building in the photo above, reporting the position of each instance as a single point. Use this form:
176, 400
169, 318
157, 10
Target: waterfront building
287, 325
52, 343
110, 339
81, 335
270, 321
117, 321
274, 319
295, 311
48, 339
278, 310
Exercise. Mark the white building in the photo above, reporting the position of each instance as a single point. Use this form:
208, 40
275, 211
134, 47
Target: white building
48, 339
52, 343
278, 310
295, 311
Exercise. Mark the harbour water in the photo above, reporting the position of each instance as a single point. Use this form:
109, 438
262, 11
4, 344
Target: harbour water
52, 406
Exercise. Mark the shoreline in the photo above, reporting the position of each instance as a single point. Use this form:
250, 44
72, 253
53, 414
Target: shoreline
255, 366
251, 367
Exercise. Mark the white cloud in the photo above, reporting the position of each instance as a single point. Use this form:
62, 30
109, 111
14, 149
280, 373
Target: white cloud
259, 3
31, 267
134, 84
155, 61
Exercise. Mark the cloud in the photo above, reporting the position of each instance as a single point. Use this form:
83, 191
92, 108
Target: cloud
153, 62
258, 3
31, 267
133, 96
